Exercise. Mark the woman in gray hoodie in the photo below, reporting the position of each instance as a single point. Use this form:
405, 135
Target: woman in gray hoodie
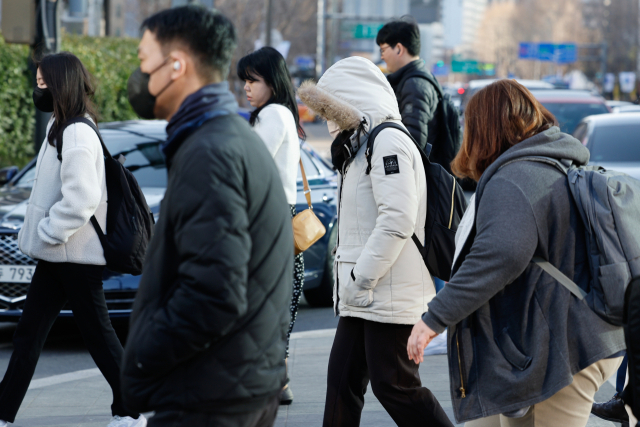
520, 344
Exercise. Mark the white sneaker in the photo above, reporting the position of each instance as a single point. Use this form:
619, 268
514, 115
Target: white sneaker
126, 422
3, 423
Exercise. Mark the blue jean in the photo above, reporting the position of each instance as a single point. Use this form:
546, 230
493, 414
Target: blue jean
438, 283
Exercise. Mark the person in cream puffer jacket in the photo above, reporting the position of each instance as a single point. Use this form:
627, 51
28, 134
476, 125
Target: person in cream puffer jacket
64, 197
380, 211
381, 282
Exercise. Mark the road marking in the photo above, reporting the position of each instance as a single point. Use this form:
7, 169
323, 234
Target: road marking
319, 333
64, 378
89, 373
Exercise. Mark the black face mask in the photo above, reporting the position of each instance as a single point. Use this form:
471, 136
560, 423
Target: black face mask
43, 100
141, 100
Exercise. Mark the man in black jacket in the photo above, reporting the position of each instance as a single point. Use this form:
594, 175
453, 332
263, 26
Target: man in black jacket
399, 43
209, 324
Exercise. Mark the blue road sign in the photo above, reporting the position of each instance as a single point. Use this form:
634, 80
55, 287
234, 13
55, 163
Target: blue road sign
528, 51
440, 70
566, 53
546, 52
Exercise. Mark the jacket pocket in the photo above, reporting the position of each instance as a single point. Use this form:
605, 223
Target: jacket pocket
28, 240
511, 352
613, 279
350, 293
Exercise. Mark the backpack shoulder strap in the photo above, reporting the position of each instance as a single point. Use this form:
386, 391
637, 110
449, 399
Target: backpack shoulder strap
374, 133
87, 122
539, 261
540, 159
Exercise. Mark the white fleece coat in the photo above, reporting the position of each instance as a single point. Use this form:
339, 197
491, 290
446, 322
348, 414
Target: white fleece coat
64, 197
277, 128
380, 274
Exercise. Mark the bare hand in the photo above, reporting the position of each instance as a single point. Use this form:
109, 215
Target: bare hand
421, 336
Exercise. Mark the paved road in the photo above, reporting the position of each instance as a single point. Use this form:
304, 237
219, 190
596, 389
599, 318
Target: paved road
65, 352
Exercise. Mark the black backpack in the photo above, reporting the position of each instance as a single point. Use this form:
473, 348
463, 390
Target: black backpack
449, 138
129, 219
445, 206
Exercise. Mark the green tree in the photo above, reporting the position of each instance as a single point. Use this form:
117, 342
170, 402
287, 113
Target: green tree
16, 106
109, 60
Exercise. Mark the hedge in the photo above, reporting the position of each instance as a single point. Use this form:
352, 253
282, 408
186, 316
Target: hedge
109, 60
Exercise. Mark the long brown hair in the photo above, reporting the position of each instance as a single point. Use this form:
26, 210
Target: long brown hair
71, 89
498, 117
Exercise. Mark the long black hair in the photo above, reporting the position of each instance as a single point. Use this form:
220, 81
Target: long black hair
269, 64
71, 89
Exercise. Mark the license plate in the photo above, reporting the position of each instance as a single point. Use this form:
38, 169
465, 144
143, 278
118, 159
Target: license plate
16, 273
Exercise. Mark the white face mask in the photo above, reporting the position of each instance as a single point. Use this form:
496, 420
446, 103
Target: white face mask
334, 130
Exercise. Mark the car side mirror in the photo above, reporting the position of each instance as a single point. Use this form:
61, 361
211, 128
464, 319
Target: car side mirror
7, 174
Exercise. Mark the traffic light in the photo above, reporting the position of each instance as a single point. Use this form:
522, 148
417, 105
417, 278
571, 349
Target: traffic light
19, 21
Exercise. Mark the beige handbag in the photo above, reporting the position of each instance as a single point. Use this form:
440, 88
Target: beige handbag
307, 228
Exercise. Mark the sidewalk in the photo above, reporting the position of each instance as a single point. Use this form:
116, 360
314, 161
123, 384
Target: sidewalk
308, 364
83, 398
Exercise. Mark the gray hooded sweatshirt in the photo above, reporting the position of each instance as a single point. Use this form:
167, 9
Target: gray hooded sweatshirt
516, 335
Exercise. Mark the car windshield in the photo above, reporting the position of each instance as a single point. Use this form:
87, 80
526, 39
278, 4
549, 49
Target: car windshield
570, 114
144, 159
619, 143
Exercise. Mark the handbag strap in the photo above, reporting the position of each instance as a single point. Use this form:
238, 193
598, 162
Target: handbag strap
305, 183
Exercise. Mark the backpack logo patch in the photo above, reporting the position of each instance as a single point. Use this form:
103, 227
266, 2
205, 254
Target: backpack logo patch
391, 165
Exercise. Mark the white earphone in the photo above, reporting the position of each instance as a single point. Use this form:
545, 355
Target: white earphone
176, 65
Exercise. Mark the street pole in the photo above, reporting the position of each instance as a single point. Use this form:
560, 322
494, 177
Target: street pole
603, 62
320, 39
268, 9
47, 41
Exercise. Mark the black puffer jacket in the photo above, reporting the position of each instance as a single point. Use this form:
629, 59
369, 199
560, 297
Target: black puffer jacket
418, 100
209, 323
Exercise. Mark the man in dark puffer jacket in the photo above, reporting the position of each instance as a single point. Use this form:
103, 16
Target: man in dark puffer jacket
399, 43
209, 324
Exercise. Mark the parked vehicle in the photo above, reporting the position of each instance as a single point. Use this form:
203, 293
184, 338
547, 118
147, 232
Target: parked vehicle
571, 106
613, 140
476, 85
139, 142
611, 103
633, 108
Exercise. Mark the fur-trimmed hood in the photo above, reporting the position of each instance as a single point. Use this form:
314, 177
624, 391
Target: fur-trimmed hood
352, 89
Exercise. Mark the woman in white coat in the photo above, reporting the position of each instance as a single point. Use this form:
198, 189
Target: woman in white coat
382, 285
68, 190
275, 118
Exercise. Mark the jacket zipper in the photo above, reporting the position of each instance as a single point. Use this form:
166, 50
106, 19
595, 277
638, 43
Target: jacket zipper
462, 390
453, 198
337, 309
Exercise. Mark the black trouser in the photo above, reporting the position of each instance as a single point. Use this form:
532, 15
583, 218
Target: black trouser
366, 351
263, 417
54, 284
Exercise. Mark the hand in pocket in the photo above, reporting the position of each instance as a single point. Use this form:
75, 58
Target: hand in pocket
356, 296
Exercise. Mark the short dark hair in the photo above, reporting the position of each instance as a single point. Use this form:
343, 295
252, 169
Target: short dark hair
269, 64
402, 31
207, 34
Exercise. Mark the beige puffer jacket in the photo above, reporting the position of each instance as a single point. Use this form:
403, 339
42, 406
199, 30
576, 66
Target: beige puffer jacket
380, 275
